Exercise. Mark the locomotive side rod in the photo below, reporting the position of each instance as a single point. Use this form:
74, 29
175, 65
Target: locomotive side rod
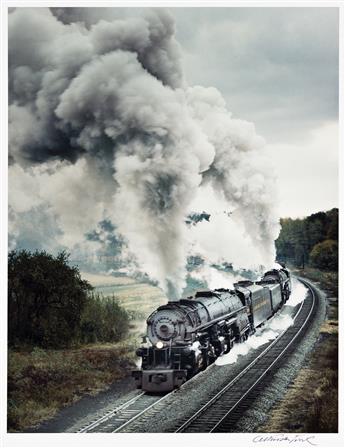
213, 415
139, 420
144, 409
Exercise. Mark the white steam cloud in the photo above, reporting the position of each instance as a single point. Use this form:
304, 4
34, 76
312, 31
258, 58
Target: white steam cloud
214, 278
104, 127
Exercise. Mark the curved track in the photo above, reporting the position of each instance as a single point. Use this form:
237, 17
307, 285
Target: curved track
219, 412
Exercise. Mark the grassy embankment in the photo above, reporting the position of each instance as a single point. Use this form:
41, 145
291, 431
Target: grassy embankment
40, 382
328, 281
311, 403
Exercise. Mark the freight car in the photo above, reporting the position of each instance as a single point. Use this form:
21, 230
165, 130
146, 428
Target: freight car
185, 336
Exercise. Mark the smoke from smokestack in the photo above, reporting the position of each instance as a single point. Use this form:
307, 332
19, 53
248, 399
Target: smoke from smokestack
103, 127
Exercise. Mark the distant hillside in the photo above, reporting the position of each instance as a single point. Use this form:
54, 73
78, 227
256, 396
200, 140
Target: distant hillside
311, 241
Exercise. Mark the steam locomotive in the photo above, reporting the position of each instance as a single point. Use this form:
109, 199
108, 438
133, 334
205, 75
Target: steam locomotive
186, 336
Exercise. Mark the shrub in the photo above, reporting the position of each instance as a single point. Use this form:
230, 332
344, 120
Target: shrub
324, 255
103, 320
46, 297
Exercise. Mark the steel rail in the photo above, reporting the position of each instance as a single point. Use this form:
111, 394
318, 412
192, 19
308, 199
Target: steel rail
142, 412
137, 416
110, 414
207, 405
270, 366
128, 403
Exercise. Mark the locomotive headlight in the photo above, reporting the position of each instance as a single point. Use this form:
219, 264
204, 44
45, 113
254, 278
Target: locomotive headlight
159, 344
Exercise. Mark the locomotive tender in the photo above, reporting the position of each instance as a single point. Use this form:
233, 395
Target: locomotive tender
185, 336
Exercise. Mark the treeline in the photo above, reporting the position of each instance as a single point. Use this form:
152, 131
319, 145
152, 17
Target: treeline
50, 306
312, 241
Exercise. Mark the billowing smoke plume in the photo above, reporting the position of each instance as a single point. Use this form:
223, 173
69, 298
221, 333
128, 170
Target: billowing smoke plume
239, 169
103, 128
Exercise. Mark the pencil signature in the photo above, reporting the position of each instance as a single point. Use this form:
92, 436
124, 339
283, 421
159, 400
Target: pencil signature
290, 439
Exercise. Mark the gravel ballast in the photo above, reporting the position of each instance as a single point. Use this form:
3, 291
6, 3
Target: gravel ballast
185, 401
190, 397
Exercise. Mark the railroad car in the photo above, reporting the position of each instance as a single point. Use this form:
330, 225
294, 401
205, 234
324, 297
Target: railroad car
185, 336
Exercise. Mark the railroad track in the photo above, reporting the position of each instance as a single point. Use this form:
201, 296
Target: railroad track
217, 413
117, 418
221, 412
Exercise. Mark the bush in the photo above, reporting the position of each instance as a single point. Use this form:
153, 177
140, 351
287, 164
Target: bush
46, 298
328, 280
103, 320
324, 255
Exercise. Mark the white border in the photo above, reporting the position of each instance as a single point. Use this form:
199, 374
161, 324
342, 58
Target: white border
159, 440
174, 3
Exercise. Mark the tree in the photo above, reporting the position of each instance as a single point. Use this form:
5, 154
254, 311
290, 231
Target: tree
298, 237
292, 244
333, 226
316, 228
46, 297
324, 255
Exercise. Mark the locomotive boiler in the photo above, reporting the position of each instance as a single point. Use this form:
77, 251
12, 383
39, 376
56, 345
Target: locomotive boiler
185, 336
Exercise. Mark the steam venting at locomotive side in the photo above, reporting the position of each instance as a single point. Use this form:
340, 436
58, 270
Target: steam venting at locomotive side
185, 336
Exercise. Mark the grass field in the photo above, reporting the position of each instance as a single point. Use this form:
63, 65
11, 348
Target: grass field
40, 382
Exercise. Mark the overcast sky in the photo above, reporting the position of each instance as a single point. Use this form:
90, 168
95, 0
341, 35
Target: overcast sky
276, 67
